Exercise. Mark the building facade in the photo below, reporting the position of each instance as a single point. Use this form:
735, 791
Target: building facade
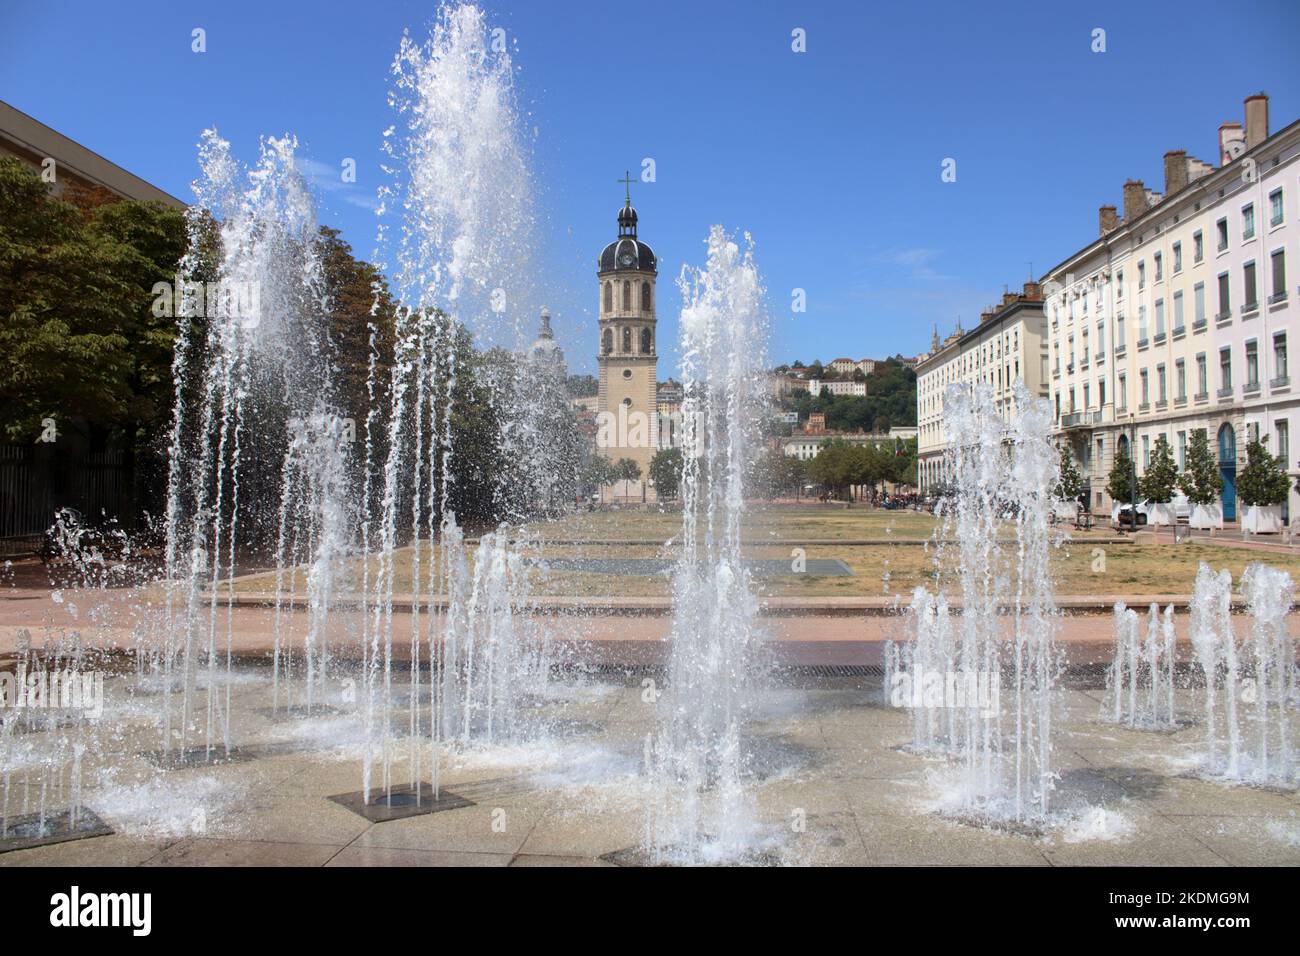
836, 387
807, 446
1008, 346
1178, 316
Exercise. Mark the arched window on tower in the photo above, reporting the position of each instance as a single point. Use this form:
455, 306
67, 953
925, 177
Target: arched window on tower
609, 297
609, 339
627, 296
627, 340
645, 341
645, 296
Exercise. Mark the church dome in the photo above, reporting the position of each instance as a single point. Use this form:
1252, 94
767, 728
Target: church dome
627, 252
545, 350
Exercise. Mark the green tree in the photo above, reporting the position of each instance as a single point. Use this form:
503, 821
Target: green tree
837, 466
598, 472
1161, 477
1070, 487
1200, 480
666, 472
1121, 484
627, 469
1264, 480
79, 340
582, 386
358, 302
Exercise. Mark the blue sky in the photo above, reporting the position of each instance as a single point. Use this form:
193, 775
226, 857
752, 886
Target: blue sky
831, 159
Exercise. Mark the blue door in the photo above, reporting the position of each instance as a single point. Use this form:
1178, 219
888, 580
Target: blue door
1228, 471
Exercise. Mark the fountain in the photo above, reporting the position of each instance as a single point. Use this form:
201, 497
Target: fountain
1250, 682
1147, 664
699, 810
461, 183
252, 382
955, 677
361, 518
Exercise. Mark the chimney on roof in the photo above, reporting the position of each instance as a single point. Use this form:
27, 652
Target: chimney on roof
1175, 171
1032, 290
986, 315
1107, 219
1256, 119
1135, 199
1008, 298
1232, 142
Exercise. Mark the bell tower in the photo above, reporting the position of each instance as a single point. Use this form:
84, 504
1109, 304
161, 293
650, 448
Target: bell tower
627, 359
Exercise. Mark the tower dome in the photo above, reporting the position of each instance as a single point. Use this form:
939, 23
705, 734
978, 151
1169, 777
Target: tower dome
627, 252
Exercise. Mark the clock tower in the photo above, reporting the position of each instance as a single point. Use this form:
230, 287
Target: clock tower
627, 360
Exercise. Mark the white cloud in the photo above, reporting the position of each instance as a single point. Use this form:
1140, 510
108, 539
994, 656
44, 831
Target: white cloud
327, 180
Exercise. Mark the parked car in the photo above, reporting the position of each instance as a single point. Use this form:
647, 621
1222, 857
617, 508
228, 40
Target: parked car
1182, 510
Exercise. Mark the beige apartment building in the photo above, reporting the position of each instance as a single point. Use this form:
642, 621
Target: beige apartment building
1009, 345
1178, 316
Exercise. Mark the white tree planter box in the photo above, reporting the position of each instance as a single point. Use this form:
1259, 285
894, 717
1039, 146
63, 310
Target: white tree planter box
1066, 510
1262, 519
1206, 516
1161, 513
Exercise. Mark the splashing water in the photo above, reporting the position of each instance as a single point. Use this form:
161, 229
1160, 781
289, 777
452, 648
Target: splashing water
992, 671
461, 180
1251, 687
700, 809
252, 373
1147, 664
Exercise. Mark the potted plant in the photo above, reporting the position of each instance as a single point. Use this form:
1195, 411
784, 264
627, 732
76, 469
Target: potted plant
1262, 486
1202, 483
1159, 482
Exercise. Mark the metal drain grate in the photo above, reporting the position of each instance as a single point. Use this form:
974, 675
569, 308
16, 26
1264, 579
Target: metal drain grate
400, 803
26, 832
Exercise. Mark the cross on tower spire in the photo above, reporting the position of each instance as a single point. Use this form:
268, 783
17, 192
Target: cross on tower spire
627, 182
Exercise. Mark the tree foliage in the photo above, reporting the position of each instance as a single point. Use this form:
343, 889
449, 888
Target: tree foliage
78, 339
1121, 484
1264, 480
1070, 486
1161, 476
666, 472
1200, 480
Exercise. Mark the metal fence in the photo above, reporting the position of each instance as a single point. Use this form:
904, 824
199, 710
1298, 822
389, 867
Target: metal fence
36, 480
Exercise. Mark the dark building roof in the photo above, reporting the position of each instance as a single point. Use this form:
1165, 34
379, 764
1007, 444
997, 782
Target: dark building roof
627, 252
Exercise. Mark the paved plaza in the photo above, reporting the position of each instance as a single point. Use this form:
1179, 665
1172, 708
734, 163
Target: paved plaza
830, 784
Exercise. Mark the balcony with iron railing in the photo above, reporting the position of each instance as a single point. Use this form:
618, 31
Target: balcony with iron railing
1083, 419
